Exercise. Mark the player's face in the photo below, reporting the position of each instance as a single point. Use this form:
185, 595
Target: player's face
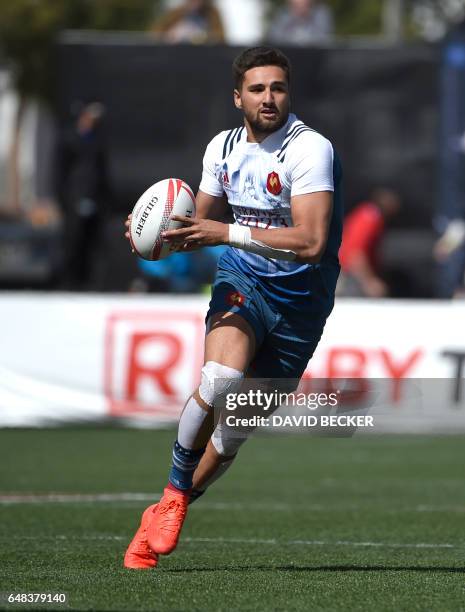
264, 99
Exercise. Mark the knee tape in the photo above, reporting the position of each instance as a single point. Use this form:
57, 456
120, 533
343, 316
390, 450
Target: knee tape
218, 380
227, 440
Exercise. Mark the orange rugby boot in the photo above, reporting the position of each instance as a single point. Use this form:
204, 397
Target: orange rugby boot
138, 555
164, 530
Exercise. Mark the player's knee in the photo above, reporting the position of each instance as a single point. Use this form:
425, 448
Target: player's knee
227, 440
217, 381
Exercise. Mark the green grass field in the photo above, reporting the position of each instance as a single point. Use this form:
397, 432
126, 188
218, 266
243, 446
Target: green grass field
299, 523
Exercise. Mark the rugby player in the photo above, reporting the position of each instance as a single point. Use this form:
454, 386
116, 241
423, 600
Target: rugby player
275, 284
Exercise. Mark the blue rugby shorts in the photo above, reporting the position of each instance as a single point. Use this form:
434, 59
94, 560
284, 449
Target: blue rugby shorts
286, 338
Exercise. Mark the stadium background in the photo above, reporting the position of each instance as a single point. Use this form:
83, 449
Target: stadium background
378, 519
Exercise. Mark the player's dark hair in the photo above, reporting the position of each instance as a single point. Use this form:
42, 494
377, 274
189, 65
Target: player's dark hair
259, 56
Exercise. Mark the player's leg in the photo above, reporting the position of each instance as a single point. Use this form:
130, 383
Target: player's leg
281, 360
229, 347
233, 319
211, 467
217, 459
283, 354
226, 440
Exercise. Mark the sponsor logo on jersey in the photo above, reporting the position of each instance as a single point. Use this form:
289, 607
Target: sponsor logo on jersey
235, 298
273, 184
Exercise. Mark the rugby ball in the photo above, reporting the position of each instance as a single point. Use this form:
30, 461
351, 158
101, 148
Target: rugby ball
151, 217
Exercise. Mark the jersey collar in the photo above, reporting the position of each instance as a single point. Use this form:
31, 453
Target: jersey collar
275, 139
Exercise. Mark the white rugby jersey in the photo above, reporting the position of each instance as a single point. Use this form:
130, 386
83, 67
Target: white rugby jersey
259, 179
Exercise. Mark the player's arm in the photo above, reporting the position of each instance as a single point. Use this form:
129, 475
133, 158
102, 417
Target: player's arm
311, 216
305, 242
311, 177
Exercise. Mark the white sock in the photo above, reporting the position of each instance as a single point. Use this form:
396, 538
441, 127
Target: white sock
190, 423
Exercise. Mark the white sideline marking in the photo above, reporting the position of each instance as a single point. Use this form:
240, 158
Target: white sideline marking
272, 542
283, 507
318, 543
77, 498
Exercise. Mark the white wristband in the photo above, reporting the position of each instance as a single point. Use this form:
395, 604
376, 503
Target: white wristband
239, 236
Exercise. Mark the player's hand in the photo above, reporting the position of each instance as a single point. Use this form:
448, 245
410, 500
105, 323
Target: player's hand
127, 224
198, 232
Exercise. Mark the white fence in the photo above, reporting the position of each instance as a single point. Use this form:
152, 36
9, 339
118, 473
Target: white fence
71, 358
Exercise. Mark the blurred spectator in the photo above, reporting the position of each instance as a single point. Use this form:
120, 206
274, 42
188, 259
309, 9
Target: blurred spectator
83, 191
196, 22
359, 254
302, 22
449, 253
